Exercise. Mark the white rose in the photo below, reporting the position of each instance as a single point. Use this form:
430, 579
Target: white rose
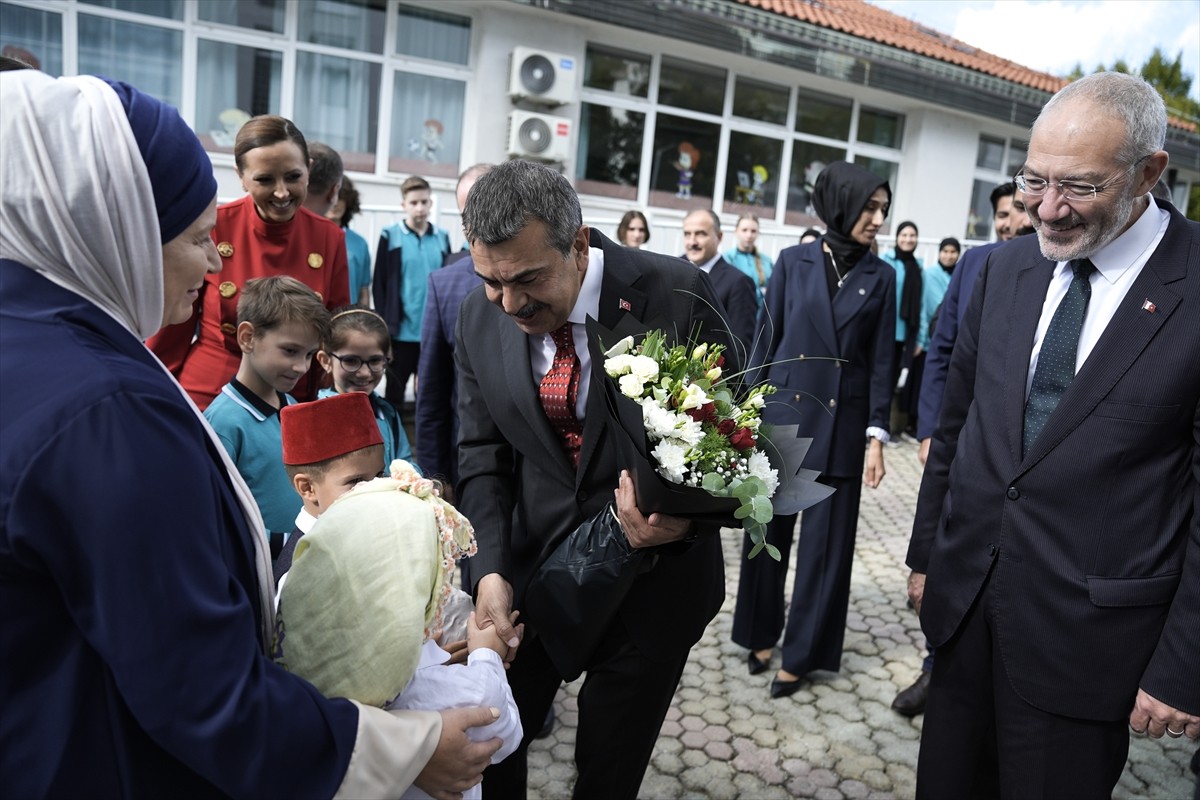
620, 348
644, 367
693, 397
618, 365
713, 374
631, 386
700, 352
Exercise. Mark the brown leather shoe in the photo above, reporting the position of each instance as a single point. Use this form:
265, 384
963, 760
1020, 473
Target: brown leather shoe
911, 701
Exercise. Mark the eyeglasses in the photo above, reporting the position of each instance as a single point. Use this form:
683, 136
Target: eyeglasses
1072, 190
354, 363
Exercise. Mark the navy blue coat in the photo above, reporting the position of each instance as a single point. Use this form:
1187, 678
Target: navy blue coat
834, 402
133, 663
437, 378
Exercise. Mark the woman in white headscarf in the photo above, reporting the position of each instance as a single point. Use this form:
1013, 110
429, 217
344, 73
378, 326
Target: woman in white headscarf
134, 573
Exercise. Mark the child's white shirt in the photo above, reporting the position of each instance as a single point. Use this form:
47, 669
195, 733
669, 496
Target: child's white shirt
438, 686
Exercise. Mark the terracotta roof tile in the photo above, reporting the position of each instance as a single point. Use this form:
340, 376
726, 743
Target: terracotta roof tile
861, 19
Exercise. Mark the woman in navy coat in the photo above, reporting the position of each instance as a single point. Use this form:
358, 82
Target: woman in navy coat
825, 341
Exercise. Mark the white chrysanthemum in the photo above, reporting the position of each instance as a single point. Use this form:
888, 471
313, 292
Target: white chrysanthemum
688, 430
760, 467
644, 367
671, 457
620, 348
631, 386
618, 365
693, 397
659, 422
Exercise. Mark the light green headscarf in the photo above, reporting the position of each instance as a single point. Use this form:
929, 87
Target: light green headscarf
367, 585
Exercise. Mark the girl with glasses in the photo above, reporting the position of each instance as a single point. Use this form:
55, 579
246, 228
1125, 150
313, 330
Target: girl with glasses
355, 358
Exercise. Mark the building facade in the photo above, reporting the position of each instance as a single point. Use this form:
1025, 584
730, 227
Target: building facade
661, 105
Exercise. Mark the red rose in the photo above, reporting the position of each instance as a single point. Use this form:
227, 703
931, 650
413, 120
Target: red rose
742, 439
705, 413
726, 427
720, 361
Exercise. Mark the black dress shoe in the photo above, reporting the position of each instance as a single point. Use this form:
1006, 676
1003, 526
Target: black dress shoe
785, 688
756, 664
911, 701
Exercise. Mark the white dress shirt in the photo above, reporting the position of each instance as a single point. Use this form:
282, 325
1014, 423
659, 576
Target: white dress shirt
1118, 265
542, 348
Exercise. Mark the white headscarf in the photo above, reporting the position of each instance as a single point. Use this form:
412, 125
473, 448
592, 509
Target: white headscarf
77, 203
77, 207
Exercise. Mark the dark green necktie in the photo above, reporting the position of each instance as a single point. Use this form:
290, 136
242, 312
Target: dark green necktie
1056, 360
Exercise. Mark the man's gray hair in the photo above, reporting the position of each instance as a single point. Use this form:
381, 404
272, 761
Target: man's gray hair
512, 194
326, 169
1127, 98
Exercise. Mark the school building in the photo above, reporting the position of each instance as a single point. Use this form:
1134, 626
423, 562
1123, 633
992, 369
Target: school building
662, 105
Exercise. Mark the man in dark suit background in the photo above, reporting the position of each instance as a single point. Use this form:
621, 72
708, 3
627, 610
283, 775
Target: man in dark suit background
525, 484
436, 420
734, 288
1010, 219
1056, 547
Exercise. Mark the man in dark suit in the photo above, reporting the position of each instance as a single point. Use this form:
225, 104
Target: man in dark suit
436, 420
1011, 219
525, 483
1056, 547
734, 288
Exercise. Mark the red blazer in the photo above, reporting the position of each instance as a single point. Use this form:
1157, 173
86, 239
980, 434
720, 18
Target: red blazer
310, 249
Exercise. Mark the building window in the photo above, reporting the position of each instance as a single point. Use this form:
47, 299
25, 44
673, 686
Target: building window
147, 56
887, 171
823, 115
427, 122
752, 174
337, 102
990, 154
234, 83
762, 102
433, 35
683, 172
880, 127
808, 161
260, 15
167, 9
610, 151
979, 218
32, 36
617, 71
695, 87
348, 24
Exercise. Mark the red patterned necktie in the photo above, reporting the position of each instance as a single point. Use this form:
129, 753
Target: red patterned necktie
560, 389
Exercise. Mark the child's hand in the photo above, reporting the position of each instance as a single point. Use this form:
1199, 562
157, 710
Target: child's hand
457, 651
487, 637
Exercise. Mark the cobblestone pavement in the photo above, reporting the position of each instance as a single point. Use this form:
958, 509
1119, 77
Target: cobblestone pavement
724, 737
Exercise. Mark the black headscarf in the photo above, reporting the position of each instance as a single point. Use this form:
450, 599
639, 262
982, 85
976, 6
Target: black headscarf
839, 197
910, 293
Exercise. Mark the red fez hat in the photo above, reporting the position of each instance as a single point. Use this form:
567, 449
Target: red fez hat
327, 428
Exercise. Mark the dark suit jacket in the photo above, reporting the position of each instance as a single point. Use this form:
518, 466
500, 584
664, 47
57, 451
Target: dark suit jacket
834, 402
1093, 537
950, 317
739, 297
517, 487
436, 422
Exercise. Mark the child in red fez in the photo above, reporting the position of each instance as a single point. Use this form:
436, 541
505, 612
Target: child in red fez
329, 447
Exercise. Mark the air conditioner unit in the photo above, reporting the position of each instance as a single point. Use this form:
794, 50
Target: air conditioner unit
541, 77
538, 136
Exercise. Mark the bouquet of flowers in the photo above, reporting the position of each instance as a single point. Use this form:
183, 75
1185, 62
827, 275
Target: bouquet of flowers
695, 441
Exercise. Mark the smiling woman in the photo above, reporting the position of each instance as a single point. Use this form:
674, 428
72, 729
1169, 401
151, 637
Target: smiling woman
268, 232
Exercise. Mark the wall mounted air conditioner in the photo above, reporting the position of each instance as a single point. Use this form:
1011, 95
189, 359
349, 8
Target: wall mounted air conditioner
541, 77
538, 136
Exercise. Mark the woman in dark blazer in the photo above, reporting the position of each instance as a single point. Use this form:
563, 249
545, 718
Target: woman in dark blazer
825, 340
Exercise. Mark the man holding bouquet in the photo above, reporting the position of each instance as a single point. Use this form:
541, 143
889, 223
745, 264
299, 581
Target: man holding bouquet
536, 461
